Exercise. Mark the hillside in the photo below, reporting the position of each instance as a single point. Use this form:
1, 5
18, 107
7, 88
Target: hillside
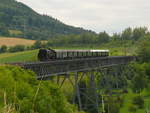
19, 17
15, 41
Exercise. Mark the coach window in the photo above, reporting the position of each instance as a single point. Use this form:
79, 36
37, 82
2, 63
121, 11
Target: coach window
67, 53
103, 53
83, 54
90, 54
58, 54
77, 53
99, 53
61, 54
72, 54
86, 53
93, 53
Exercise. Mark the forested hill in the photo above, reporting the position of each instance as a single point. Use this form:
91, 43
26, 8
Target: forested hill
17, 19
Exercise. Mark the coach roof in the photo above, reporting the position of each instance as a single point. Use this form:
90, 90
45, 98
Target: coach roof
81, 50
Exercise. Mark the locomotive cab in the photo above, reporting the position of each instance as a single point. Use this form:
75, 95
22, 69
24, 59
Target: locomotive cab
46, 54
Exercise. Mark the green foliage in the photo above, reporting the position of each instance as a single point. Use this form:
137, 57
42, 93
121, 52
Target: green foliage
20, 89
137, 75
111, 106
3, 49
122, 42
139, 32
144, 50
134, 34
103, 37
37, 44
139, 82
3, 30
88, 39
139, 79
15, 33
146, 67
17, 48
127, 34
138, 101
132, 108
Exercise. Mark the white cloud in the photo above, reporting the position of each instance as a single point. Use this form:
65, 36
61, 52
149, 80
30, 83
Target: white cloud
97, 15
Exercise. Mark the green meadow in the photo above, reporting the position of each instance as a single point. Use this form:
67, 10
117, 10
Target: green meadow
26, 56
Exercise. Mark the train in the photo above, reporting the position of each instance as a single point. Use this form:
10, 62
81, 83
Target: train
51, 54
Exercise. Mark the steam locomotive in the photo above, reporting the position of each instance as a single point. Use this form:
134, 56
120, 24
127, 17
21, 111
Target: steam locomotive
50, 54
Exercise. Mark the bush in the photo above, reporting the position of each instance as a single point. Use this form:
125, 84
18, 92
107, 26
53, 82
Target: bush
3, 49
139, 82
132, 109
37, 45
112, 108
112, 105
138, 101
20, 88
144, 50
17, 48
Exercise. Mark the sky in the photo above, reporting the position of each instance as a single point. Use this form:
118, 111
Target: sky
97, 15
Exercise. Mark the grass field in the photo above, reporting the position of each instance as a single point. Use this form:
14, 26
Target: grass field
15, 41
19, 56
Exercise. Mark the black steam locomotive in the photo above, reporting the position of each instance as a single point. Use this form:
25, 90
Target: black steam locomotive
50, 54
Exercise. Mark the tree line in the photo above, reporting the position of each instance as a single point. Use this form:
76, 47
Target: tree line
17, 48
128, 37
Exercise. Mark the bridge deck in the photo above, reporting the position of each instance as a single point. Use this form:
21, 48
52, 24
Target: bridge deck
59, 67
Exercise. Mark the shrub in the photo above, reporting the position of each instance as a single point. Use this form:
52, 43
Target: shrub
132, 109
17, 48
139, 82
3, 49
112, 105
144, 50
37, 44
138, 101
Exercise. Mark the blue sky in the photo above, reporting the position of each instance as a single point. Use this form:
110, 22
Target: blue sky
97, 15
